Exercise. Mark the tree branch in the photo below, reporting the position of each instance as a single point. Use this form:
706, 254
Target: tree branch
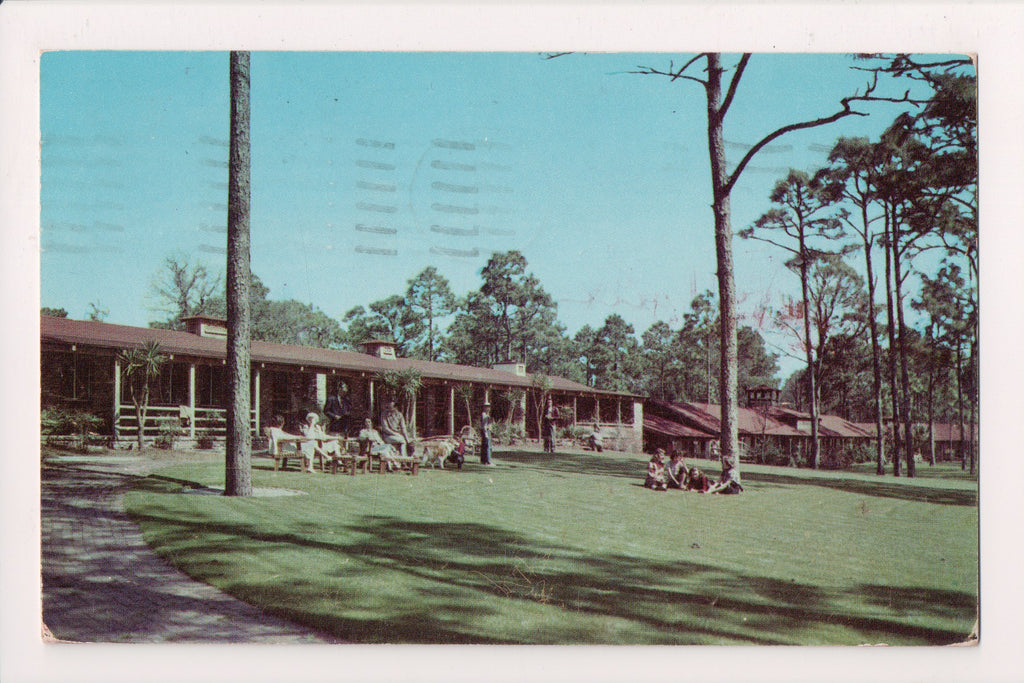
847, 110
733, 84
672, 72
752, 236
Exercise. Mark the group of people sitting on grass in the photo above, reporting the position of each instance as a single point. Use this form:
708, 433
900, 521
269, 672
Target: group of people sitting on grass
675, 475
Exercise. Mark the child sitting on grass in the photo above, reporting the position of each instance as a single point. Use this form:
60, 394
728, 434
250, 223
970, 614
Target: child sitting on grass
675, 471
697, 481
656, 472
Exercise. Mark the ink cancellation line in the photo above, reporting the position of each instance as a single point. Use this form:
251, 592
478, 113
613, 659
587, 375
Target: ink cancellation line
376, 229
459, 232
462, 253
376, 251
376, 144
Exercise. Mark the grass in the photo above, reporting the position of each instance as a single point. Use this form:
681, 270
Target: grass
572, 549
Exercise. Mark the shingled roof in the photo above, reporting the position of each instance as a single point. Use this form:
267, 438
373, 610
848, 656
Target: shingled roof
661, 425
117, 337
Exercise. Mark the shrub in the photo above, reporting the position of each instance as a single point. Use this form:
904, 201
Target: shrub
770, 452
517, 432
845, 455
204, 440
575, 432
61, 421
499, 432
168, 430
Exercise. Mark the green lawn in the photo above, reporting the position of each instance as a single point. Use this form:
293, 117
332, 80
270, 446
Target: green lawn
572, 549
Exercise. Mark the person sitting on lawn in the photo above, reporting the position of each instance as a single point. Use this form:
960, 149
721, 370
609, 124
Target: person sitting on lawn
729, 482
318, 442
696, 480
385, 451
675, 471
656, 472
395, 429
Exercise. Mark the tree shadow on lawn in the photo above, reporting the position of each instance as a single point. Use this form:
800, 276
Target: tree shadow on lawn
606, 464
903, 490
462, 574
623, 465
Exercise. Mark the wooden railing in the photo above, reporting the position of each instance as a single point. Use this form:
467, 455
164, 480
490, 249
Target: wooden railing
615, 436
211, 421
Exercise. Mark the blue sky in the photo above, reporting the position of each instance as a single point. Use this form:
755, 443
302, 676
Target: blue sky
367, 167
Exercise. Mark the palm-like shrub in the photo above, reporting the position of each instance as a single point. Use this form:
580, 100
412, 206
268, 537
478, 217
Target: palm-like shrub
141, 367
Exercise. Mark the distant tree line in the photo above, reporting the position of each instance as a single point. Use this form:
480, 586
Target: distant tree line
898, 214
510, 317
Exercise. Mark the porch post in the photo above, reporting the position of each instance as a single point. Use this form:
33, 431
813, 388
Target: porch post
192, 400
373, 415
451, 410
638, 425
321, 389
597, 410
414, 402
574, 400
256, 381
522, 409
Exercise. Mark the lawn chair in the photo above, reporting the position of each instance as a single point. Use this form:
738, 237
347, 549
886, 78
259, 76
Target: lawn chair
352, 458
281, 445
472, 441
408, 463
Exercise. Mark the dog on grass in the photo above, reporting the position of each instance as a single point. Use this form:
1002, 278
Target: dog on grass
437, 451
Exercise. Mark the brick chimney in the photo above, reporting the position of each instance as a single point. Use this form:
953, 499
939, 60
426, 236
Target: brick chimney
206, 326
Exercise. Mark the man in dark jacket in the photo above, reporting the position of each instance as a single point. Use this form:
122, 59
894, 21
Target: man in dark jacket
338, 410
485, 435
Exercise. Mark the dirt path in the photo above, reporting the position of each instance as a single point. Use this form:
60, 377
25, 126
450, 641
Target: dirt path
102, 583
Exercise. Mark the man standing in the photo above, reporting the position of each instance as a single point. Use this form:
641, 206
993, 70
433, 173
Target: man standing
485, 435
337, 409
396, 432
548, 424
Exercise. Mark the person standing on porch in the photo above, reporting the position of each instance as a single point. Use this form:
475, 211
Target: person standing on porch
338, 408
395, 429
485, 435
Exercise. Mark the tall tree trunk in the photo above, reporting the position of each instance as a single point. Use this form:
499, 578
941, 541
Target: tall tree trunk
238, 454
931, 416
729, 373
960, 402
707, 367
908, 434
876, 363
891, 320
814, 458
140, 418
972, 444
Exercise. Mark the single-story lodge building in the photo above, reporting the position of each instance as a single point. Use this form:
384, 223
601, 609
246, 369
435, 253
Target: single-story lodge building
79, 368
765, 426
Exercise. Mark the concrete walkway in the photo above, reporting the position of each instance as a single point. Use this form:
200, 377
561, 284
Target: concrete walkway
102, 583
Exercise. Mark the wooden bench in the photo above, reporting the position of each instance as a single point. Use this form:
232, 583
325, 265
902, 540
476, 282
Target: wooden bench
278, 439
408, 463
352, 458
